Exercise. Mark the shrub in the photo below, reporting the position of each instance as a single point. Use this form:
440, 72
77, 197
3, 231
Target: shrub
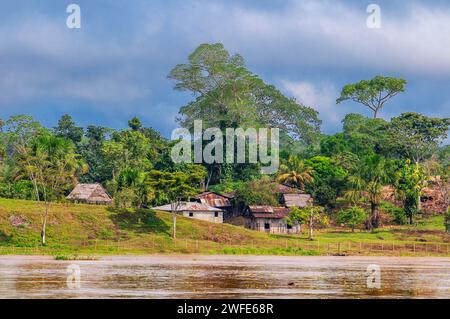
352, 217
397, 213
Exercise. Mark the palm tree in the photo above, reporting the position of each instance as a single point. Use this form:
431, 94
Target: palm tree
52, 165
294, 172
367, 184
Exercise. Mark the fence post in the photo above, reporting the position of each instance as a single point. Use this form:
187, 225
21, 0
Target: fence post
360, 247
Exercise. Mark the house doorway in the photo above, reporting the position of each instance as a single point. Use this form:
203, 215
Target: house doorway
267, 227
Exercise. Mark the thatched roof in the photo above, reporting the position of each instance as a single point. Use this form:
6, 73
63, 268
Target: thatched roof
296, 200
90, 193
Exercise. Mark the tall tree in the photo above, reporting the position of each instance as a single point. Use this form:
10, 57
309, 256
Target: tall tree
409, 181
366, 183
176, 186
228, 95
67, 129
416, 137
51, 164
373, 93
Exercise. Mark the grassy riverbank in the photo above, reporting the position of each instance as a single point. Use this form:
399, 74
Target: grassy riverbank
86, 230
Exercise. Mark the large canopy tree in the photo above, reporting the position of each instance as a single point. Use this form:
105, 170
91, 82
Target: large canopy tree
416, 137
373, 93
229, 95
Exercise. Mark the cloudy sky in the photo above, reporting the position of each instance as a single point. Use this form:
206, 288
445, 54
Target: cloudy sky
115, 67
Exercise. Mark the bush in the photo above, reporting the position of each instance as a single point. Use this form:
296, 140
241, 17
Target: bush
352, 217
397, 213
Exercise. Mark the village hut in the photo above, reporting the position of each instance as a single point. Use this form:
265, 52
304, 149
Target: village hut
270, 220
195, 210
90, 194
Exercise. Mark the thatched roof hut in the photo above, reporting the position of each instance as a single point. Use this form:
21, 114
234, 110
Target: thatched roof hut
90, 194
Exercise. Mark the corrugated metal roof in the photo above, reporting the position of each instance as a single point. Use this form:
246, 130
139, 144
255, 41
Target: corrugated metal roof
268, 212
283, 189
261, 209
189, 206
296, 200
213, 199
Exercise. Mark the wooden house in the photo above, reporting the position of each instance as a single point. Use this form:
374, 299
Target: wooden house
270, 220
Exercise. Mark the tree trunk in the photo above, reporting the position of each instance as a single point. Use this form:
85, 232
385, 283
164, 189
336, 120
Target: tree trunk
311, 224
375, 113
44, 224
374, 216
174, 218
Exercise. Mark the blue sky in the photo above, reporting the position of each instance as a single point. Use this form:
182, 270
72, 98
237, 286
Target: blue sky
115, 67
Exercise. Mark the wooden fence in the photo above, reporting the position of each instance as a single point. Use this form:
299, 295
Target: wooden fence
288, 247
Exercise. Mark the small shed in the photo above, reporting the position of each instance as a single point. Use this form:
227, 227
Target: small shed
270, 220
195, 210
90, 194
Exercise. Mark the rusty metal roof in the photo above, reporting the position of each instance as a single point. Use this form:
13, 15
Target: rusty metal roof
213, 199
284, 189
268, 212
261, 209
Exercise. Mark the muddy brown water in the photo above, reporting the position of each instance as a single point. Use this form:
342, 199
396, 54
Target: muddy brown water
224, 277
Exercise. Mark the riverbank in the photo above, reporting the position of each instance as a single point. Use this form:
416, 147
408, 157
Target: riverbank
86, 230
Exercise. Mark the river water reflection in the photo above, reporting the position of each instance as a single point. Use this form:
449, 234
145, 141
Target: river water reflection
225, 277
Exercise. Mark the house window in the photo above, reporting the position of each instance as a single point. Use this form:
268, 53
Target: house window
266, 226
289, 226
191, 214
216, 214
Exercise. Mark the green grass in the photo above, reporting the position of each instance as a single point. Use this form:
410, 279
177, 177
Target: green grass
89, 230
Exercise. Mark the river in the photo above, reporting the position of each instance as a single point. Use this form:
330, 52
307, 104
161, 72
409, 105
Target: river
191, 276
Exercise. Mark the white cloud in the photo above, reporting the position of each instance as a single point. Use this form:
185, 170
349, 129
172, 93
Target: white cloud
331, 33
321, 97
